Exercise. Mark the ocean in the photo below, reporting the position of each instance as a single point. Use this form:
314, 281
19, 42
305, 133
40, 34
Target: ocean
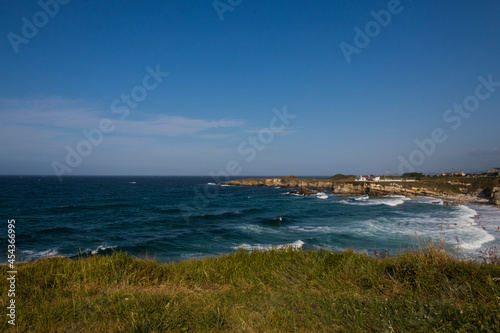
177, 218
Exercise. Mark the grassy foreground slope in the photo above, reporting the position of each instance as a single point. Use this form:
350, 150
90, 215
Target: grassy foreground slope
282, 290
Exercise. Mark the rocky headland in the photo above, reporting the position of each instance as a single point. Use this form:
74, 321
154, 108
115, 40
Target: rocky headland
451, 191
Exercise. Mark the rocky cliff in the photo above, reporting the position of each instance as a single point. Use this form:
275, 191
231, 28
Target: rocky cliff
347, 188
495, 196
374, 189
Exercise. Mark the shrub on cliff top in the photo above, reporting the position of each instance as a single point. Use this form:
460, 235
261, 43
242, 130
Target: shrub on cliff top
341, 177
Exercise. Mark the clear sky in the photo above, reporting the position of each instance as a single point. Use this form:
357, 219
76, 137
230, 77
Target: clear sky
251, 87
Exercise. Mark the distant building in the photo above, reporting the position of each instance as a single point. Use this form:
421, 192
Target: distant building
368, 179
494, 170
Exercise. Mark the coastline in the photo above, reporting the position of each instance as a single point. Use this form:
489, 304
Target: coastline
450, 191
252, 221
484, 213
488, 219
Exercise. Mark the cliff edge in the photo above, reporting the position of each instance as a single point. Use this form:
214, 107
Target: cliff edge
457, 191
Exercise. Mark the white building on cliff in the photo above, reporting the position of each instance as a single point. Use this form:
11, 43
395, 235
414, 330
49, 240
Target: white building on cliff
368, 179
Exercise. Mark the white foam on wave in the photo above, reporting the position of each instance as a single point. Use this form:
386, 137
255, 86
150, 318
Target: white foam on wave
401, 197
102, 248
475, 237
41, 254
426, 200
362, 197
295, 245
388, 201
394, 200
475, 244
321, 195
212, 184
254, 228
466, 212
488, 215
320, 229
248, 247
392, 203
457, 228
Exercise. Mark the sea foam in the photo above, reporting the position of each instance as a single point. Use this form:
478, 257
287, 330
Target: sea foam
321, 195
296, 245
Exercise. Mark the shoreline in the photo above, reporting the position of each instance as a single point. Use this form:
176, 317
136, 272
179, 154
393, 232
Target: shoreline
369, 253
458, 192
488, 219
484, 211
488, 212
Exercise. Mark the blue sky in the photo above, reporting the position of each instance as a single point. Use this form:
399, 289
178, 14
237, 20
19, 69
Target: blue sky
220, 84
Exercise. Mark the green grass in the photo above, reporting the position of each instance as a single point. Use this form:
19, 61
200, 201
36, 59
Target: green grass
282, 290
474, 184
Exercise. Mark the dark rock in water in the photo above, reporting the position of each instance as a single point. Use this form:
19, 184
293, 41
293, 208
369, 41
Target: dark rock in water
447, 203
306, 191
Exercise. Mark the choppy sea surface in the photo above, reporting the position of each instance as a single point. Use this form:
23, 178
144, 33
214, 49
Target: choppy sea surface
176, 218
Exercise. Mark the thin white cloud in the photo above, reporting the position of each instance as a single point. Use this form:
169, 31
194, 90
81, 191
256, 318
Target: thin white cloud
172, 126
215, 136
485, 152
49, 112
288, 131
60, 116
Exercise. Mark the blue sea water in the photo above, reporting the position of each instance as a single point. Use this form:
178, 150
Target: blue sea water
176, 218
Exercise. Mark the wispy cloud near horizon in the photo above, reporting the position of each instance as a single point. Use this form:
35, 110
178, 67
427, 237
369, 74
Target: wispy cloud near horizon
60, 115
485, 152
40, 129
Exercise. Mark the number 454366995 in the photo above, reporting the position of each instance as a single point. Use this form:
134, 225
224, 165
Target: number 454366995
12, 241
